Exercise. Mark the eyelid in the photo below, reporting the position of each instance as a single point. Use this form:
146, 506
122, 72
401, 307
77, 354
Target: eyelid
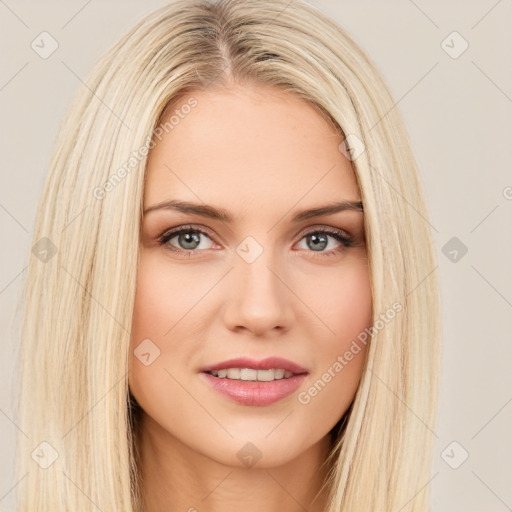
323, 227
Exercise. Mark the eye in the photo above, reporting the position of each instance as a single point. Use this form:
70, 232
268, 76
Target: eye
188, 239
318, 241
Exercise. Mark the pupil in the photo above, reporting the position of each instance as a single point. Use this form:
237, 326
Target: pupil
188, 238
322, 240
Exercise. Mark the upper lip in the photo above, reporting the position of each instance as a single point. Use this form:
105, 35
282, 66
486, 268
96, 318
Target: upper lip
263, 364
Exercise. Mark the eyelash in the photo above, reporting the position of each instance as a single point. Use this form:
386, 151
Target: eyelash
346, 241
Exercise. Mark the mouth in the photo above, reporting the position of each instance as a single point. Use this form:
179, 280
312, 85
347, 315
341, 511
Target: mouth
251, 382
265, 370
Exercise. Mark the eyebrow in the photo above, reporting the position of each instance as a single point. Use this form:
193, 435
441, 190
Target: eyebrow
221, 214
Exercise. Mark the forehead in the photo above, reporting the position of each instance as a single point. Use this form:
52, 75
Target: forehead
250, 147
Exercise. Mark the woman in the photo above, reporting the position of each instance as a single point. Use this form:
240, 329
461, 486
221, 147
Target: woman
227, 303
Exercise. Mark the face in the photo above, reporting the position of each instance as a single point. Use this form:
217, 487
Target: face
257, 282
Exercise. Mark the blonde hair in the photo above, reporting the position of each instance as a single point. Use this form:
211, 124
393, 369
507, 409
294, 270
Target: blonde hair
78, 302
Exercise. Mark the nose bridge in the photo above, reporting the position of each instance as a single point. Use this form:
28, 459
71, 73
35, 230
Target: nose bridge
258, 299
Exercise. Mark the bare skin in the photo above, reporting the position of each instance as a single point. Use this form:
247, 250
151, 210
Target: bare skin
263, 156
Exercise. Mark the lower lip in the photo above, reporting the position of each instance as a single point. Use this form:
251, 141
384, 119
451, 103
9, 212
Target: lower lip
255, 392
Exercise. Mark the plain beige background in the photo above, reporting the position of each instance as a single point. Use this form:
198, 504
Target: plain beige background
458, 113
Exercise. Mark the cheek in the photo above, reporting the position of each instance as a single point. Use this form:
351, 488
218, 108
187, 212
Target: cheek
165, 294
167, 301
157, 309
341, 298
344, 304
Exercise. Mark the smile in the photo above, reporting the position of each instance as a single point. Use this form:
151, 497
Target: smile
249, 374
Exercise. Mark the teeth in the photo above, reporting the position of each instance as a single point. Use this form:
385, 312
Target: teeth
279, 374
234, 373
253, 375
248, 374
266, 375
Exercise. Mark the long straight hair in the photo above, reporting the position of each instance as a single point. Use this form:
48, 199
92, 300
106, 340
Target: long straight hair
80, 286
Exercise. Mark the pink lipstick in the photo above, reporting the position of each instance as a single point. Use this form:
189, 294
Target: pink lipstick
257, 383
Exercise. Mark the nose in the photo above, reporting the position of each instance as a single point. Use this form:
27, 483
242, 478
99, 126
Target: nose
259, 299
